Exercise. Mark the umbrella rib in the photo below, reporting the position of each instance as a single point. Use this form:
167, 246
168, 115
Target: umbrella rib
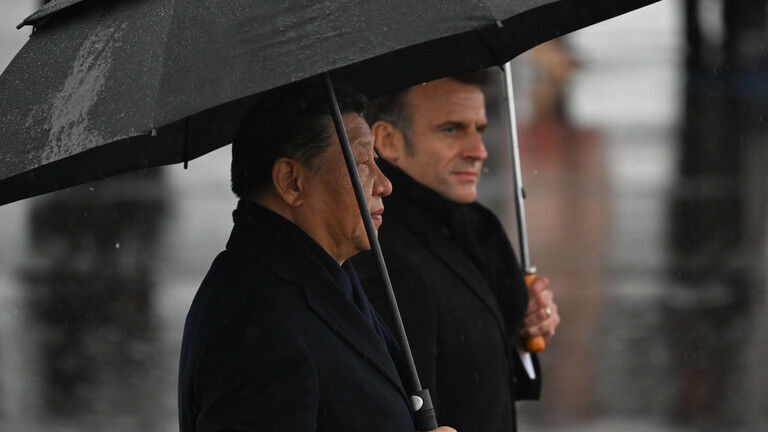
161, 75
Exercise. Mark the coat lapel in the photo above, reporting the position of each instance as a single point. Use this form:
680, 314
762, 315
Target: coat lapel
444, 248
348, 322
323, 297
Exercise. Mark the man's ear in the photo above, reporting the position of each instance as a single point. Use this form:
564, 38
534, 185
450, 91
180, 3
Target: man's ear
288, 179
389, 141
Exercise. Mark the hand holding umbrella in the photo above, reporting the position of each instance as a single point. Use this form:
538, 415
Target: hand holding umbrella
542, 317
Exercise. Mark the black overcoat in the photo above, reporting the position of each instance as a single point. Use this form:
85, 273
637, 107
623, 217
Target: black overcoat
462, 297
271, 344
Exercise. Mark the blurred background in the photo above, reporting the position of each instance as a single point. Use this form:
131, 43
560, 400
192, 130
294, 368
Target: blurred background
645, 157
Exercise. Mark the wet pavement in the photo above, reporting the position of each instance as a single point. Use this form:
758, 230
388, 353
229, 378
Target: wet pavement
646, 209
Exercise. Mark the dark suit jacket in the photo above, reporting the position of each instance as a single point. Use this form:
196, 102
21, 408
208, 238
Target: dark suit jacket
271, 344
462, 298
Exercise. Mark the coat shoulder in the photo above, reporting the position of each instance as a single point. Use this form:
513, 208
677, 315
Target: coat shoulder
237, 343
238, 294
240, 284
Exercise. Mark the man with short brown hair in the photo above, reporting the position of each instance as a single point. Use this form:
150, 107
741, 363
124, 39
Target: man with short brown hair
461, 292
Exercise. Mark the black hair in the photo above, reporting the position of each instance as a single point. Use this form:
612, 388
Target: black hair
289, 121
393, 109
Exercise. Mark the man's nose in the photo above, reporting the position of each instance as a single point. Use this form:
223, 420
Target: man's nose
475, 148
381, 185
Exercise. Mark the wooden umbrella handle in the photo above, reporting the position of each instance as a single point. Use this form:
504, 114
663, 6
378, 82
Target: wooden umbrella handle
536, 343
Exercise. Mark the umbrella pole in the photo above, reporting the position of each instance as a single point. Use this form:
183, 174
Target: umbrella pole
421, 403
536, 343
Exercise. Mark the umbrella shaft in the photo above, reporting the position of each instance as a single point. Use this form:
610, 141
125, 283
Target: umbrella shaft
514, 152
373, 240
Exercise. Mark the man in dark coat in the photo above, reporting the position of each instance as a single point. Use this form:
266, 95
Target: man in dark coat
280, 336
461, 292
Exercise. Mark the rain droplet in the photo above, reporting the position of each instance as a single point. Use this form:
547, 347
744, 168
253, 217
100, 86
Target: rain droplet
90, 189
117, 245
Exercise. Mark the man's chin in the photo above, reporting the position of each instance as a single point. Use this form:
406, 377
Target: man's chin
463, 195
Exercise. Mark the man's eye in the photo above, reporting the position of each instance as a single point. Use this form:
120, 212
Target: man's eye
449, 130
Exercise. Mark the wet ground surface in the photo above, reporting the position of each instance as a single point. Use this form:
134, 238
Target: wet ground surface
646, 209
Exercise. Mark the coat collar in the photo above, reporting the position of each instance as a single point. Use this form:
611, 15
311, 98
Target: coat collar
429, 201
278, 244
428, 216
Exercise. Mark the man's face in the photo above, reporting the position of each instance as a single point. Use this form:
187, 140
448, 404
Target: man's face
446, 153
330, 197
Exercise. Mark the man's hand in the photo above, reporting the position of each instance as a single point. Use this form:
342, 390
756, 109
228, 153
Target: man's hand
444, 429
541, 318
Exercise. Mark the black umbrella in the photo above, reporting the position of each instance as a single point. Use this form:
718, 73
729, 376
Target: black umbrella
123, 85
108, 87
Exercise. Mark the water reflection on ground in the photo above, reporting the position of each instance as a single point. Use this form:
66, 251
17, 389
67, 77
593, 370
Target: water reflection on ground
647, 210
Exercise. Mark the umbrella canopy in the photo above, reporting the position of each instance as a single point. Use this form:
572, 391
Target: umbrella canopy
103, 88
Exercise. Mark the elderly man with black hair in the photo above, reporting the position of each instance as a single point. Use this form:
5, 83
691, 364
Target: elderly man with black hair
280, 336
461, 292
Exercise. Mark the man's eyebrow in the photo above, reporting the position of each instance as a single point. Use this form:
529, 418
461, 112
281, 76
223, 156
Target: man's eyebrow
454, 123
363, 144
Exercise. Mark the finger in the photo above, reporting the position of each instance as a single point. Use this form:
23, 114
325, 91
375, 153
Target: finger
536, 316
529, 332
541, 323
550, 331
546, 329
547, 294
541, 300
545, 297
545, 313
537, 308
539, 285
